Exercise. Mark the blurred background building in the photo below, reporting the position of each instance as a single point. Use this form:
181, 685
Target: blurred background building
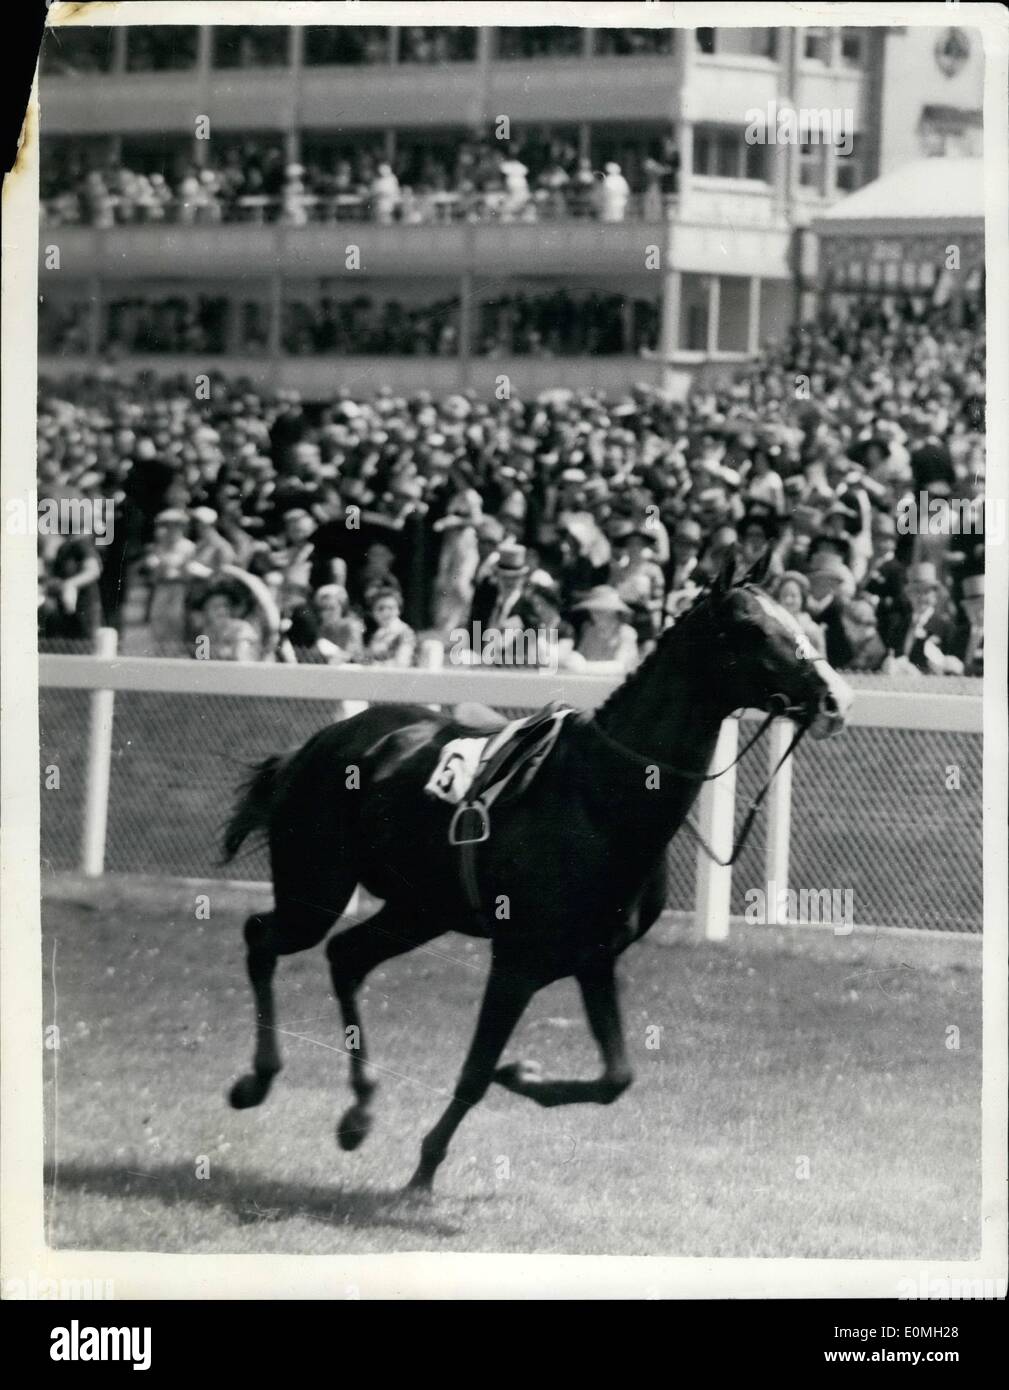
563, 206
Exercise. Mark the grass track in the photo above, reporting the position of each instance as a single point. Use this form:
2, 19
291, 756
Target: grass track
775, 1047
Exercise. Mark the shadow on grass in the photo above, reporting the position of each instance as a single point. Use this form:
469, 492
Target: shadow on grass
252, 1198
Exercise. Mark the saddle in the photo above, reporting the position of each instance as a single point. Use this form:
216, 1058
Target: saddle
509, 763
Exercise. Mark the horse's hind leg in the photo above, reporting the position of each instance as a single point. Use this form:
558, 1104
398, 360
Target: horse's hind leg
353, 954
283, 932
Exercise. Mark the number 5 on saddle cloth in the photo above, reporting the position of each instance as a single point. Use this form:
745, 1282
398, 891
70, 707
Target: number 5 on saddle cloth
473, 773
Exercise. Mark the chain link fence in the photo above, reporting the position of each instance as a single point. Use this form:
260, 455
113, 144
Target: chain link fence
893, 815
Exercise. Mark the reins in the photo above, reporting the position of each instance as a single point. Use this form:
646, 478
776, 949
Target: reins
784, 710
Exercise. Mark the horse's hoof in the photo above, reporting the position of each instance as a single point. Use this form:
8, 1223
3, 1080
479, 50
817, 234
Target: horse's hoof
354, 1127
517, 1075
250, 1090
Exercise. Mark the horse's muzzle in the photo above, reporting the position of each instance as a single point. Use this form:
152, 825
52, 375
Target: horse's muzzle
832, 703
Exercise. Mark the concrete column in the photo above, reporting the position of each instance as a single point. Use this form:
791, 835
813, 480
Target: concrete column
627, 326
714, 305
686, 44
753, 317
669, 322
829, 172
465, 324
484, 57
276, 314
119, 48
792, 38
95, 316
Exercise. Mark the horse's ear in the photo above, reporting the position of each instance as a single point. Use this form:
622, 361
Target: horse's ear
758, 571
727, 574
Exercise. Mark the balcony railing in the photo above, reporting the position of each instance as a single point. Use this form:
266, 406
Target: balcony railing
412, 209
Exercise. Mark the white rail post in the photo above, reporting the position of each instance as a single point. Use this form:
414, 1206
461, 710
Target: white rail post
96, 799
779, 820
716, 820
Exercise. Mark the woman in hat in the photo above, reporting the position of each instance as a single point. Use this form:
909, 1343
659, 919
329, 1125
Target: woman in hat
792, 591
636, 577
166, 566
225, 632
458, 560
341, 632
607, 638
392, 641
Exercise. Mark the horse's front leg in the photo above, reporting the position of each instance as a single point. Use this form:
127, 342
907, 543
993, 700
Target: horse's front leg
599, 993
504, 1002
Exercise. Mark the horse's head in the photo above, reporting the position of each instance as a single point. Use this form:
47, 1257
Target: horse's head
766, 658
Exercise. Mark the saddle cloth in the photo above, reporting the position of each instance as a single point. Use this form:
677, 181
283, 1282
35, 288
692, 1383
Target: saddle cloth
460, 758
473, 773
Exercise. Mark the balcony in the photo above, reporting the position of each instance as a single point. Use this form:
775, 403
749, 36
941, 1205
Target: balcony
196, 241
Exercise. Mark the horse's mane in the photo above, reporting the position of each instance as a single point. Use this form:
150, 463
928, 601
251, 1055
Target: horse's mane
678, 635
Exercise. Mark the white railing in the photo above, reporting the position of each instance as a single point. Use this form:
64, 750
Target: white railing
105, 673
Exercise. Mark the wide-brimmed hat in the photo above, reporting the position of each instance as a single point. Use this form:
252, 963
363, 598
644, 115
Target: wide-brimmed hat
763, 519
172, 516
792, 577
624, 529
205, 514
830, 563
602, 598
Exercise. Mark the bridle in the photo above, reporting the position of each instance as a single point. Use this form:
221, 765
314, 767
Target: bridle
781, 708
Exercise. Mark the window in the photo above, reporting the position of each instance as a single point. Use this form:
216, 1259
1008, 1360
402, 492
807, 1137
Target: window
72, 51
346, 45
544, 42
251, 46
441, 45
811, 165
161, 48
754, 43
853, 48
636, 43
816, 45
722, 152
849, 169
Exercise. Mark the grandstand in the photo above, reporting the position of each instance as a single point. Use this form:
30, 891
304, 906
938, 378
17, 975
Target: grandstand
252, 274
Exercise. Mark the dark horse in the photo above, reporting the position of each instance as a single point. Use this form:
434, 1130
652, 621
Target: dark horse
574, 870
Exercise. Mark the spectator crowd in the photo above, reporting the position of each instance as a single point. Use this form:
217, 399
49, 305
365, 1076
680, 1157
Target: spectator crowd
526, 178
398, 530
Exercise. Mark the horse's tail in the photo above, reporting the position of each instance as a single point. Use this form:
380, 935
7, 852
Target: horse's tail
253, 806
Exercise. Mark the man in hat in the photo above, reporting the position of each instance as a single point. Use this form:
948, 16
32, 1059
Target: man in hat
969, 646
507, 609
212, 550
919, 631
